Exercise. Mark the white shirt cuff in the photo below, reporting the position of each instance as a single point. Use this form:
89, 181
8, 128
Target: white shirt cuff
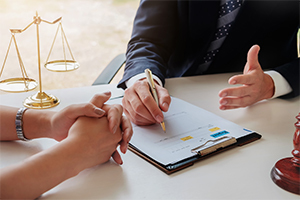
137, 77
281, 85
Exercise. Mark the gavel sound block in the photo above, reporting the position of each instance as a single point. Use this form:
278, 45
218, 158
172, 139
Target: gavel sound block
286, 172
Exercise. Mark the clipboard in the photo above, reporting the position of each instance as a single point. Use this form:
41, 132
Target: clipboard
170, 169
216, 137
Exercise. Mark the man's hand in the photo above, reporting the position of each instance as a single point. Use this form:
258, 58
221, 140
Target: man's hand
140, 106
256, 85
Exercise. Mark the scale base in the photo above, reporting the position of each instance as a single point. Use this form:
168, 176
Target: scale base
286, 175
41, 100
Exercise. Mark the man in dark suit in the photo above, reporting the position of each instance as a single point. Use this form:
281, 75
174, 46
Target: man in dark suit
186, 38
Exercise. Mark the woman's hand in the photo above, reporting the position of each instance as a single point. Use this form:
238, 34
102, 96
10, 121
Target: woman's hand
93, 141
62, 121
116, 120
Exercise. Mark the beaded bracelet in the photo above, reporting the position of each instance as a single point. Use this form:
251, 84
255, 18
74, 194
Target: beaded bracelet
19, 124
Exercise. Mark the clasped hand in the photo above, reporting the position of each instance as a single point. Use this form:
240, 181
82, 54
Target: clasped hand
85, 118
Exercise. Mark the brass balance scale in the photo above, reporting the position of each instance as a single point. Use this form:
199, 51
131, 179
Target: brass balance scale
40, 100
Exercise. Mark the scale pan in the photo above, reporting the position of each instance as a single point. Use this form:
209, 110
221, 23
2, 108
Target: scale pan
18, 84
62, 65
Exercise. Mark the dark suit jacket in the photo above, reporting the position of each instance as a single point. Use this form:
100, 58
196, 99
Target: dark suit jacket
171, 38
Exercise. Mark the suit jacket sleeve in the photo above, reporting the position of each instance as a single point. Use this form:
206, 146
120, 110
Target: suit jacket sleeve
166, 34
152, 39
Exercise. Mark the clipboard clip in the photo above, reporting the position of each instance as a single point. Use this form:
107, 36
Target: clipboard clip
231, 140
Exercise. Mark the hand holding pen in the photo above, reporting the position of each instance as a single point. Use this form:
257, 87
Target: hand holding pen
140, 106
151, 83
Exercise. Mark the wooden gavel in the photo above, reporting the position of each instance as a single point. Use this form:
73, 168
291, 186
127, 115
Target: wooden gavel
286, 172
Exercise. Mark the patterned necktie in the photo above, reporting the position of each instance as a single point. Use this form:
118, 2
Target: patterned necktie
227, 13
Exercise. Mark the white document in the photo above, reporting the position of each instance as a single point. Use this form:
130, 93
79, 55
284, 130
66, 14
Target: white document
187, 127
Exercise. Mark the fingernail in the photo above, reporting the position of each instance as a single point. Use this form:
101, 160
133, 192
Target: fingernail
115, 129
128, 140
165, 105
224, 102
159, 118
108, 93
224, 94
99, 111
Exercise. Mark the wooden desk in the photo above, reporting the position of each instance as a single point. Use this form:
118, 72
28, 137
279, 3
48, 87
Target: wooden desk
240, 173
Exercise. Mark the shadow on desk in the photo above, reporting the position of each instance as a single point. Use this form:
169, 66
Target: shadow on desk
20, 151
268, 113
92, 184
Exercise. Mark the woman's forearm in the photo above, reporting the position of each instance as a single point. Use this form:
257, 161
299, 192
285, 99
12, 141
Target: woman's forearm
7, 123
36, 123
41, 172
85, 142
89, 143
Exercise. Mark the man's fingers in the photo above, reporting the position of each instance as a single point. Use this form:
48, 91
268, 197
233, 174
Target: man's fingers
252, 57
140, 106
246, 79
164, 98
236, 101
236, 92
137, 119
142, 103
223, 107
145, 96
135, 110
252, 81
